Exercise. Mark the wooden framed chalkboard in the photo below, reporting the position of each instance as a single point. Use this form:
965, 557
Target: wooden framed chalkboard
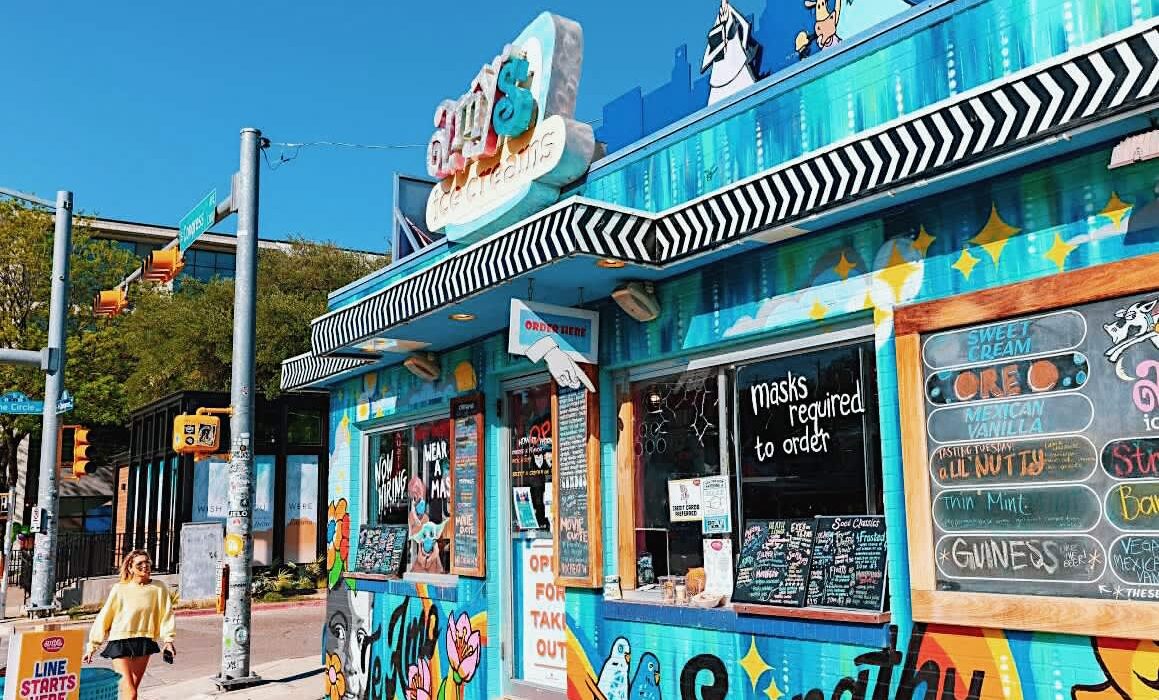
1030, 448
468, 514
576, 524
773, 564
380, 549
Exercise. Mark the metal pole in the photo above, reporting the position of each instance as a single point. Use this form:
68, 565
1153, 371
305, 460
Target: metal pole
235, 632
44, 557
7, 560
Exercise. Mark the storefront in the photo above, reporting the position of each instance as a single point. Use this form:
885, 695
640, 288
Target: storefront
868, 353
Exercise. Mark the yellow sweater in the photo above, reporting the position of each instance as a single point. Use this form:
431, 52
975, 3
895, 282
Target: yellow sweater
135, 610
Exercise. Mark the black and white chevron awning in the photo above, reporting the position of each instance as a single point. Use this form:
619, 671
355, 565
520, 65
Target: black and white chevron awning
1112, 77
303, 370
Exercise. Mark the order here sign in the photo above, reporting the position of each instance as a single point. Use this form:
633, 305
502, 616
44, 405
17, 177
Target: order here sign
575, 331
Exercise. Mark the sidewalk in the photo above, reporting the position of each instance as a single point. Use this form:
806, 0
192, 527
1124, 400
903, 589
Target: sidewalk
287, 679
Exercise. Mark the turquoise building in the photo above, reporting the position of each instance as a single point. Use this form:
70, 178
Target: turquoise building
842, 385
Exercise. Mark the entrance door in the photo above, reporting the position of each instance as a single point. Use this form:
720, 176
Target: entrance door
534, 642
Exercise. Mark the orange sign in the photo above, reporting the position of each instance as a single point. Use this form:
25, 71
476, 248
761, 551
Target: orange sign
44, 665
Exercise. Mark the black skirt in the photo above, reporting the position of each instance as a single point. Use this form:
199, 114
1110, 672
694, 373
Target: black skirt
128, 648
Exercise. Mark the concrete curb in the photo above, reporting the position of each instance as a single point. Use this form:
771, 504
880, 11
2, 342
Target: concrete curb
311, 603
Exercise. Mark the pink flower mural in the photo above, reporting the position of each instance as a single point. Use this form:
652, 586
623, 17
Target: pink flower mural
463, 648
418, 684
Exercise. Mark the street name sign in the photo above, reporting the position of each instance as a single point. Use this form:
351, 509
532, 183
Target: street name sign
16, 403
197, 221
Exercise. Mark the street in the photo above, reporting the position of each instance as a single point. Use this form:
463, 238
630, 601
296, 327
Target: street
281, 633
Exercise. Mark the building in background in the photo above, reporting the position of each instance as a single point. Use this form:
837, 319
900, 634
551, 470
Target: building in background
159, 491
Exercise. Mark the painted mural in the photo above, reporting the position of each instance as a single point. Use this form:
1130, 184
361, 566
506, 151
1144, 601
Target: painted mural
415, 646
650, 661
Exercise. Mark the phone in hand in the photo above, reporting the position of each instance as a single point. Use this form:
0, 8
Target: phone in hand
167, 656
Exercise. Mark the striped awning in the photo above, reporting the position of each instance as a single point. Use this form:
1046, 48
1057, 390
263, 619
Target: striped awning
1113, 77
302, 371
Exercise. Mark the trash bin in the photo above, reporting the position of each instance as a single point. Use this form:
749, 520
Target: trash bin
95, 684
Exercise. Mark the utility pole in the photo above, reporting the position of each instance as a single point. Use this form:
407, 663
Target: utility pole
235, 632
44, 556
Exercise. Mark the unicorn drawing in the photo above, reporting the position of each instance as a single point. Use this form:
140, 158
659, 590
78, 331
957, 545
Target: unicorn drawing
731, 54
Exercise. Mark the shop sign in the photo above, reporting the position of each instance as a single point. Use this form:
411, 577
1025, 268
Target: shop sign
503, 150
544, 632
44, 665
574, 331
684, 500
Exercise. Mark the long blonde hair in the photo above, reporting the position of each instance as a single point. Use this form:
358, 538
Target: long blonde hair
127, 563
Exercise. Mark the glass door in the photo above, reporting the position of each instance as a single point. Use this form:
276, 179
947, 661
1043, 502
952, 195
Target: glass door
534, 638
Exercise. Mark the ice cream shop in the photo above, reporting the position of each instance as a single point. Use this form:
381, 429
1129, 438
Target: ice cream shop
829, 369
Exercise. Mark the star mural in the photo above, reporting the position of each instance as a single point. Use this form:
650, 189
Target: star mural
1116, 209
966, 263
1058, 252
818, 310
754, 664
994, 235
923, 241
844, 267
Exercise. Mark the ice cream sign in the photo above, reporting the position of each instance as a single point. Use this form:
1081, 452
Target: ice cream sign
503, 150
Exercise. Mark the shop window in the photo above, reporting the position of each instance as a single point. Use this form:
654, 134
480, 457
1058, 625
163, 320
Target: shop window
801, 435
677, 438
807, 434
410, 476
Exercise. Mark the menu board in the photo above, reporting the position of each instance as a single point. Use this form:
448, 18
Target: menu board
380, 549
1043, 452
773, 565
468, 539
576, 482
848, 562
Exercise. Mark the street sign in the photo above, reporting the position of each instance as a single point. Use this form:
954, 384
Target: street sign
16, 403
197, 221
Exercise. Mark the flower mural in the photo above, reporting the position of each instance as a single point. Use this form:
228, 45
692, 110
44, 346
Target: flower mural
338, 540
418, 680
463, 648
334, 678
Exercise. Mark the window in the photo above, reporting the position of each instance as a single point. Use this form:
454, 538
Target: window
801, 435
410, 476
531, 435
304, 427
677, 437
807, 434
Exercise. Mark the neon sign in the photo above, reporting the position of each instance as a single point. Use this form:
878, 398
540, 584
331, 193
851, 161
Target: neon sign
505, 147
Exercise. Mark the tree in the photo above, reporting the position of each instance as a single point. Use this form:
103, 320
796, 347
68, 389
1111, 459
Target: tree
94, 368
183, 340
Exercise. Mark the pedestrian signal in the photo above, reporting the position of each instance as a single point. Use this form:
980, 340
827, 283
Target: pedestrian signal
163, 265
110, 302
196, 434
80, 451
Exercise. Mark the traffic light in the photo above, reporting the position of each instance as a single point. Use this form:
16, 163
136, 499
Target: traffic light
80, 451
163, 265
110, 302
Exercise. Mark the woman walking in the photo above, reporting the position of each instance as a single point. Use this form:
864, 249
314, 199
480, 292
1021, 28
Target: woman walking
137, 615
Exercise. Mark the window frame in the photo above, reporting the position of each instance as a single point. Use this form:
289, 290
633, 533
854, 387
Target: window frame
853, 330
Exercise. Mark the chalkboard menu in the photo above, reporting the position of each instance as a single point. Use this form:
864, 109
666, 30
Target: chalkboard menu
576, 480
773, 565
847, 569
1043, 452
380, 549
468, 539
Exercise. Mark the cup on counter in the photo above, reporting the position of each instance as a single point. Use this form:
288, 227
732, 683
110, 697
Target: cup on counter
681, 592
668, 589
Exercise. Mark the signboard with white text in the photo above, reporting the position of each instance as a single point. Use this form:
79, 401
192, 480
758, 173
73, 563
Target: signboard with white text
503, 149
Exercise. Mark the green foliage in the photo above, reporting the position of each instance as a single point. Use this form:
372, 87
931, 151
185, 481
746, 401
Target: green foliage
272, 597
184, 340
96, 367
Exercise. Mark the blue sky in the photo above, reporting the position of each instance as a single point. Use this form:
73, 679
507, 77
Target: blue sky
136, 106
